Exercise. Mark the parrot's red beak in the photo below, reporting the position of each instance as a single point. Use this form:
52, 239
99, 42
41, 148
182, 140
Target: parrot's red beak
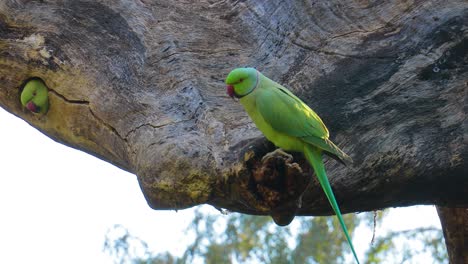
230, 90
32, 107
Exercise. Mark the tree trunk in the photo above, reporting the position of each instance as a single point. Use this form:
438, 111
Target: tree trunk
140, 85
455, 226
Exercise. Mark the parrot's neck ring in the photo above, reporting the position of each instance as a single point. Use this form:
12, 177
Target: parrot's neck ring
251, 90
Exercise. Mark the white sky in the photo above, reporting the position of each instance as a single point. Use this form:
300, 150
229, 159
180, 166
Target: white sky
57, 203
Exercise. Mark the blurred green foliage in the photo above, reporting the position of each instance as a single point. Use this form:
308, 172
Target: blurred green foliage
238, 238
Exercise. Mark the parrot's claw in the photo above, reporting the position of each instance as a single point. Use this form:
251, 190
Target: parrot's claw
277, 152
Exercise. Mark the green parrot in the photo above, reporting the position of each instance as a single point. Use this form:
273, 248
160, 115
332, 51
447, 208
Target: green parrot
289, 123
35, 96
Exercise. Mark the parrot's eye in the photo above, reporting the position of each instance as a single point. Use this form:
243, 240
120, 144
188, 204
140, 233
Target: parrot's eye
240, 80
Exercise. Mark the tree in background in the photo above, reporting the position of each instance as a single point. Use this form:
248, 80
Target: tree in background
240, 238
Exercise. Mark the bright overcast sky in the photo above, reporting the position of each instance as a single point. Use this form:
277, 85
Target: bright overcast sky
57, 204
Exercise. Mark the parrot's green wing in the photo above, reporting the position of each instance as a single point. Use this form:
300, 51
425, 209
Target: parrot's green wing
288, 114
330, 149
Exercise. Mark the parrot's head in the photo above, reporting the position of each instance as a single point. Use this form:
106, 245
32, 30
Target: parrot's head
35, 96
241, 81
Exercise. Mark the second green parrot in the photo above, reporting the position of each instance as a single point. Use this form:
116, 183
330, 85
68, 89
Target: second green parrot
35, 96
289, 123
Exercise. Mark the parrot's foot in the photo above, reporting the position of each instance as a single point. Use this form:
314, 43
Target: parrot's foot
278, 152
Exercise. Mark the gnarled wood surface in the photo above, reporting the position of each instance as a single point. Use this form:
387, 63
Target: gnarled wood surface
140, 84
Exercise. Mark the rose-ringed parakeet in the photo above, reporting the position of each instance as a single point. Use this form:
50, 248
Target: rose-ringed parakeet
35, 96
289, 123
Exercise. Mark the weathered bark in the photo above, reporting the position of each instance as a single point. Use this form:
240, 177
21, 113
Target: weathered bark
455, 226
140, 84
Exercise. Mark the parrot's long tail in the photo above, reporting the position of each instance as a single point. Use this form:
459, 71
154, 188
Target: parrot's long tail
314, 156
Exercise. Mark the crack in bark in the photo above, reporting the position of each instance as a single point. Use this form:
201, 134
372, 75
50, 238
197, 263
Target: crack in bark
197, 51
334, 53
176, 83
86, 103
162, 125
214, 4
111, 128
349, 33
283, 35
320, 49
82, 102
166, 57
153, 126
